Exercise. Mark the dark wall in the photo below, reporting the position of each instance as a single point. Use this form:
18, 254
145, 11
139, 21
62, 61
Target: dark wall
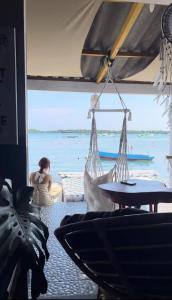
13, 158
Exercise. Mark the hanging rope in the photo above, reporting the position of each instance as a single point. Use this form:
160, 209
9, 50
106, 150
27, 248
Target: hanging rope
93, 164
120, 170
163, 79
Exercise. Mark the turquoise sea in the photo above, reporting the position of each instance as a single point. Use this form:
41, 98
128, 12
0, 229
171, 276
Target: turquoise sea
68, 151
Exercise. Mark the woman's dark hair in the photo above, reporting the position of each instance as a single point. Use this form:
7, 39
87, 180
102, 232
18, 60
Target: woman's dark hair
44, 163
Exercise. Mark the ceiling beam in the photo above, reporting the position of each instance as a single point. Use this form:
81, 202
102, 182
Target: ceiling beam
159, 2
126, 27
81, 85
126, 54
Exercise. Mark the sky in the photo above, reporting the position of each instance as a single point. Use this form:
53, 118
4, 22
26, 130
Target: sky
64, 110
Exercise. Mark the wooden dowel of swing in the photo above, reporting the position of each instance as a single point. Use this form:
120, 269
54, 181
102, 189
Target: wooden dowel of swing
169, 156
110, 110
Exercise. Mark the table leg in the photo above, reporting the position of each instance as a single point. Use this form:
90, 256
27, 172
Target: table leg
150, 208
156, 207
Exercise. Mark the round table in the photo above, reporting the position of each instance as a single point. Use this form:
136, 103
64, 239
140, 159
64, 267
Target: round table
144, 192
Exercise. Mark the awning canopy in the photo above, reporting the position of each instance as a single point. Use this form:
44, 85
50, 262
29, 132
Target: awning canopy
62, 33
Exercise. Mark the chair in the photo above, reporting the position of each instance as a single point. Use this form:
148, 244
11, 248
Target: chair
129, 257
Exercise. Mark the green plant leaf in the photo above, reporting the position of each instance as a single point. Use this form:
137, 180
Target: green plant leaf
23, 238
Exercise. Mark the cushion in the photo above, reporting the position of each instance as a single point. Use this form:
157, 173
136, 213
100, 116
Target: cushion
68, 219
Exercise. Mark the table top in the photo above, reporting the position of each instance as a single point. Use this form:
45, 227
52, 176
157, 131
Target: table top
141, 186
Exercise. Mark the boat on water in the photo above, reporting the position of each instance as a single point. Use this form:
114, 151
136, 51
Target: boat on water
147, 134
133, 157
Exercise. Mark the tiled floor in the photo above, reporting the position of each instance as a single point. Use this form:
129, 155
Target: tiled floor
64, 277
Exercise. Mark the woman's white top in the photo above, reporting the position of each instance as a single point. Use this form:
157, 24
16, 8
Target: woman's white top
41, 194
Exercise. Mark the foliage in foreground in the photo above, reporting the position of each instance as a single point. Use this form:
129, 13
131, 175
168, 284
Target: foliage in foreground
23, 238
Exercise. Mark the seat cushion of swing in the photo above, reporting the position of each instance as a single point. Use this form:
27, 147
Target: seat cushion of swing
97, 199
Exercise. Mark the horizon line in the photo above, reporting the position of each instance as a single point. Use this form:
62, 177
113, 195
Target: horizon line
109, 130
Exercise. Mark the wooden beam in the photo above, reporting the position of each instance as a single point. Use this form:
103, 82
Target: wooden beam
80, 84
127, 26
94, 53
125, 54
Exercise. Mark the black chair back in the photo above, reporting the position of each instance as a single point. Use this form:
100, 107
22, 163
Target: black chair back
128, 256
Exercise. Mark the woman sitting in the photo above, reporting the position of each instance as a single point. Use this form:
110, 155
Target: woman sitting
41, 181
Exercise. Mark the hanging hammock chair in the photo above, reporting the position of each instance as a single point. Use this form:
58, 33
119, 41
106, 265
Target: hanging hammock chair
97, 199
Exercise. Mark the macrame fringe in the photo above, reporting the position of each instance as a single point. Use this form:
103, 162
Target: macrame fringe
164, 76
93, 163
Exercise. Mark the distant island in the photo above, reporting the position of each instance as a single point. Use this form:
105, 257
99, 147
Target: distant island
87, 131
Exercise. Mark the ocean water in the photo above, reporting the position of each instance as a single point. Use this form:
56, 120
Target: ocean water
68, 151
